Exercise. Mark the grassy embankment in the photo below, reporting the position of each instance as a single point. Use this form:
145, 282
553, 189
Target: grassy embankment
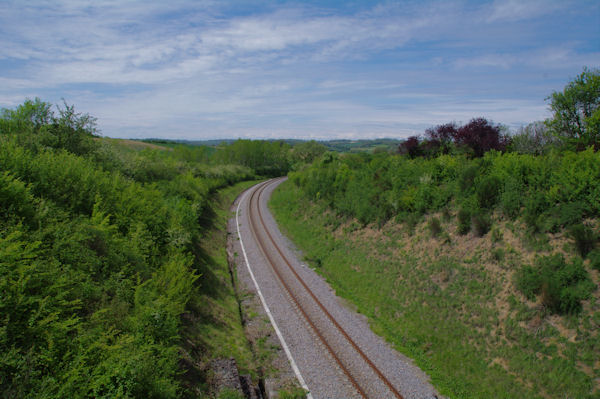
212, 327
448, 299
113, 273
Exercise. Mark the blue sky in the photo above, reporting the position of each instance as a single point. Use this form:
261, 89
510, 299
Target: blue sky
295, 69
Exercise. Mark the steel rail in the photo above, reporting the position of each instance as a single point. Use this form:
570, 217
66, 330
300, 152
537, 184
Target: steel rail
271, 261
378, 372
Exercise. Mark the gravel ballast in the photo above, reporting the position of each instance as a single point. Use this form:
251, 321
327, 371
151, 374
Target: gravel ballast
317, 368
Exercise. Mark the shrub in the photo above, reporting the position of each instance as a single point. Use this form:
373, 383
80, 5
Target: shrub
570, 213
561, 285
467, 177
527, 281
535, 206
482, 223
510, 199
435, 226
411, 220
584, 237
464, 220
16, 199
497, 235
446, 213
410, 147
498, 254
487, 191
594, 257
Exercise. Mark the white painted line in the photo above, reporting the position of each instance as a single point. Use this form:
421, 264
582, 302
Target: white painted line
266, 307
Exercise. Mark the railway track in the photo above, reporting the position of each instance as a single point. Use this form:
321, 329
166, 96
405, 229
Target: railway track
361, 372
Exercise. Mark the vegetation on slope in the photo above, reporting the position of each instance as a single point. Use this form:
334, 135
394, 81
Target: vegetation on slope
480, 264
113, 274
451, 300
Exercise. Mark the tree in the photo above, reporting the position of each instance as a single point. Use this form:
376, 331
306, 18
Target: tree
439, 139
410, 147
576, 111
480, 136
28, 117
307, 151
35, 122
534, 139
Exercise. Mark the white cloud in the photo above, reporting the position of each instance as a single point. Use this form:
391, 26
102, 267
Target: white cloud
515, 10
555, 57
184, 68
101, 43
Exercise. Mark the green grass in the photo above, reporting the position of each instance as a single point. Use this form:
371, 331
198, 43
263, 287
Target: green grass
441, 310
216, 325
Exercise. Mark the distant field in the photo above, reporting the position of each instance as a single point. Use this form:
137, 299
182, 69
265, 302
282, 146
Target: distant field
138, 145
332, 145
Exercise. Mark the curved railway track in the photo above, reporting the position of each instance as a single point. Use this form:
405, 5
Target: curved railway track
358, 368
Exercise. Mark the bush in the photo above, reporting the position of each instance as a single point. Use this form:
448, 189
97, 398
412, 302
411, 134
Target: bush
412, 220
96, 268
510, 199
16, 199
497, 235
561, 285
498, 255
435, 226
487, 191
464, 220
594, 257
527, 281
467, 177
535, 206
482, 223
571, 213
228, 393
584, 237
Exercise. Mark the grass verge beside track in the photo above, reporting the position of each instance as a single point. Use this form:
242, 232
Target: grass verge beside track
450, 304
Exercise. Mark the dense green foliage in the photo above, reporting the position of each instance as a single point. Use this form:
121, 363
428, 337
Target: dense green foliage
269, 158
364, 145
576, 111
562, 285
99, 256
445, 287
449, 303
549, 192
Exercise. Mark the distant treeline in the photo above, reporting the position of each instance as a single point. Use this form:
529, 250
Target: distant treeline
342, 145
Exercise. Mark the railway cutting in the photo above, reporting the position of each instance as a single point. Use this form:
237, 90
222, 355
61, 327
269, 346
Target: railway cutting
331, 349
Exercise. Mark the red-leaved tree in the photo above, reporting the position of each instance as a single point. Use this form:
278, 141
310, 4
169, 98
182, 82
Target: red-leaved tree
410, 147
480, 136
439, 139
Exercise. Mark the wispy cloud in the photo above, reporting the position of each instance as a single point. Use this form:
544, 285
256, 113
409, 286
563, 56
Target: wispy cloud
208, 68
516, 10
557, 57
